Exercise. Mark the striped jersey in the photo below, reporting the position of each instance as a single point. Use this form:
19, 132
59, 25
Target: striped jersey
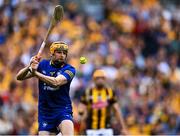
99, 103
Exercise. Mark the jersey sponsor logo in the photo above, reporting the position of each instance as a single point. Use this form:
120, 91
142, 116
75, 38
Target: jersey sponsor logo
99, 105
69, 73
46, 87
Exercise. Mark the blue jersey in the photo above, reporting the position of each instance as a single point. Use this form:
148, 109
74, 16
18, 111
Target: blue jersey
54, 100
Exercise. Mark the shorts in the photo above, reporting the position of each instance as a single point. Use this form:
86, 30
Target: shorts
99, 132
51, 124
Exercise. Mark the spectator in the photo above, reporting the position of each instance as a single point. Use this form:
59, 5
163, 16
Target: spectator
136, 41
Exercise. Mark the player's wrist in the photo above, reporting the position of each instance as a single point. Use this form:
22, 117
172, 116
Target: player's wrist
35, 73
31, 70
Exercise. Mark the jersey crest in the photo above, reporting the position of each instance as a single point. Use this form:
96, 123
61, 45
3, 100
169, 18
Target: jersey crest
52, 73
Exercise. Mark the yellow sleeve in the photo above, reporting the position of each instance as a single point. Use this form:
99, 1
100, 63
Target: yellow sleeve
84, 98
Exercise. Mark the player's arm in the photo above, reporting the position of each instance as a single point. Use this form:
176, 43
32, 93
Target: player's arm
117, 111
25, 73
52, 81
82, 107
59, 80
82, 110
119, 117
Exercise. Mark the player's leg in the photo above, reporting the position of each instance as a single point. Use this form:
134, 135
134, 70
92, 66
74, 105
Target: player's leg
66, 127
44, 133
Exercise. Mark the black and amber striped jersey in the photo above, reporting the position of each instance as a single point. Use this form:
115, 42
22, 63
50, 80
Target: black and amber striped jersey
99, 104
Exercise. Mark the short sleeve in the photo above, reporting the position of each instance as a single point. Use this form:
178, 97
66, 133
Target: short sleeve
69, 73
83, 98
112, 96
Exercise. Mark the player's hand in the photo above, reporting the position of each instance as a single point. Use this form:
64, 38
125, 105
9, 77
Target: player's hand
34, 62
34, 65
38, 58
35, 59
124, 132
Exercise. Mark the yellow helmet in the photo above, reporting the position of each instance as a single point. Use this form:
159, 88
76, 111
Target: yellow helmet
99, 73
60, 46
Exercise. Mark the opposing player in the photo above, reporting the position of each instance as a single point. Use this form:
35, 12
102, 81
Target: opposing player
96, 106
55, 76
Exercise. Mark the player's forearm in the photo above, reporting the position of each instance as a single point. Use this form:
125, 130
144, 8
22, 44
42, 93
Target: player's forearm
119, 116
23, 74
82, 111
52, 81
121, 119
82, 116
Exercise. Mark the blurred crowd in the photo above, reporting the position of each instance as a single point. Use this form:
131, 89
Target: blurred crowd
137, 42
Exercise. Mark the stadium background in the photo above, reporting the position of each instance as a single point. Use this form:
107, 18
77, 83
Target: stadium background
137, 42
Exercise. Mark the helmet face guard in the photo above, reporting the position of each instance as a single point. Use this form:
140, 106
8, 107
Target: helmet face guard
58, 46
